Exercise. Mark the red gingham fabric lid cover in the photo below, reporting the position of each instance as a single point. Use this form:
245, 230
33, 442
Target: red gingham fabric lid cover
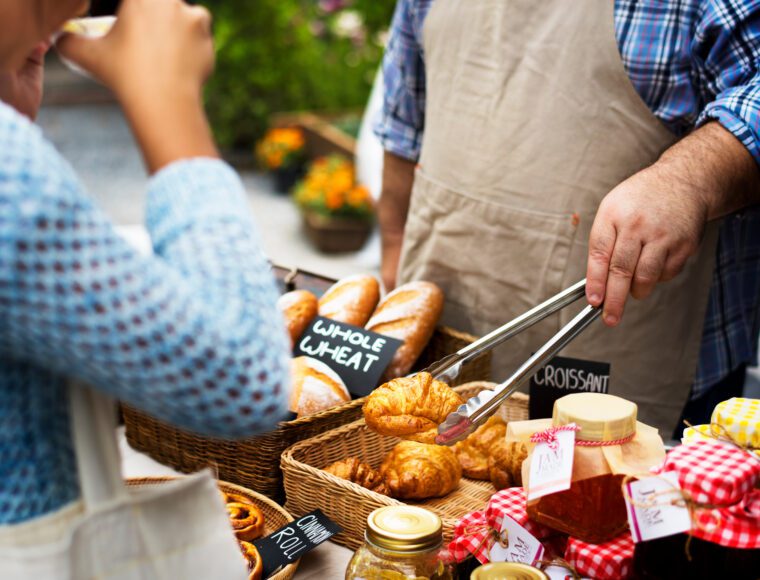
612, 560
721, 475
470, 533
713, 473
737, 526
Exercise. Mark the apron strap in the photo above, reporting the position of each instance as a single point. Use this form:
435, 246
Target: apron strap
93, 418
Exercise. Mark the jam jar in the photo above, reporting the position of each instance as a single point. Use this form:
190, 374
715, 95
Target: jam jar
593, 509
507, 571
400, 543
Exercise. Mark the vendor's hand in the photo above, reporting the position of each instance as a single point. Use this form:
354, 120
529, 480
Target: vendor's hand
22, 89
645, 230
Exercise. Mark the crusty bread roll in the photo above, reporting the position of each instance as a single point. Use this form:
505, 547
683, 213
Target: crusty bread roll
351, 300
410, 314
299, 308
505, 463
316, 387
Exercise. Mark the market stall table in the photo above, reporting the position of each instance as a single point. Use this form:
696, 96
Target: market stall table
327, 561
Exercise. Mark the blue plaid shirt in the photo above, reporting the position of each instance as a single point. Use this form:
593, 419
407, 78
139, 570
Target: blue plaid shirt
691, 61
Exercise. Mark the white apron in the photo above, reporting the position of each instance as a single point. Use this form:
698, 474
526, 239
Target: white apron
530, 121
175, 531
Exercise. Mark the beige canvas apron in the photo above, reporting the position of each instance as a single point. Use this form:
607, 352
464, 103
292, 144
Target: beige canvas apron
530, 120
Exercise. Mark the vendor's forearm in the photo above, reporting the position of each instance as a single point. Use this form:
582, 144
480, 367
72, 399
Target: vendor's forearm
398, 178
721, 170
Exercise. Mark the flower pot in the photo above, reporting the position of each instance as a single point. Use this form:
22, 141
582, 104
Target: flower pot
285, 178
333, 235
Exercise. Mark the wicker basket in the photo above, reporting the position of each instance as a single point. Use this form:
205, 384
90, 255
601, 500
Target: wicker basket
274, 516
255, 463
308, 487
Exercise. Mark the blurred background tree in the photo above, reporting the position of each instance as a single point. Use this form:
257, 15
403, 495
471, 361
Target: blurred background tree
291, 55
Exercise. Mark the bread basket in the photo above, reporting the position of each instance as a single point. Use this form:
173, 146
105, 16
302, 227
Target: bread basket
308, 487
255, 462
274, 516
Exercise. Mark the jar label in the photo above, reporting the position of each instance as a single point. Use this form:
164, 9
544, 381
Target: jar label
551, 466
656, 507
516, 544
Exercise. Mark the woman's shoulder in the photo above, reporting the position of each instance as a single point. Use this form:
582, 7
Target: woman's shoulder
28, 161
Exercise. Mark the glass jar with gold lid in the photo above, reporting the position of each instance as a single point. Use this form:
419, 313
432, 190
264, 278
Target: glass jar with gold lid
507, 571
400, 543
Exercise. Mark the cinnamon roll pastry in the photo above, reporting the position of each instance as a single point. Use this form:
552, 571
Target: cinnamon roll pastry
247, 521
410, 407
252, 556
236, 498
354, 470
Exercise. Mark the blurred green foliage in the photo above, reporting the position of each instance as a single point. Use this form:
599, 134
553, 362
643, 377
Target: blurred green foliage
291, 55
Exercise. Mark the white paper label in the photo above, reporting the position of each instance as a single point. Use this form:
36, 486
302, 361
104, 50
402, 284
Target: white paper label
523, 546
661, 519
551, 470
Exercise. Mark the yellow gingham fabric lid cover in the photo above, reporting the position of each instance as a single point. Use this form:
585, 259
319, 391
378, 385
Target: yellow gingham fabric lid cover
740, 417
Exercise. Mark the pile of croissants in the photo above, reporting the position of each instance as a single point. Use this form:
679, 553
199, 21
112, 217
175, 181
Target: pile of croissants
409, 314
411, 408
248, 522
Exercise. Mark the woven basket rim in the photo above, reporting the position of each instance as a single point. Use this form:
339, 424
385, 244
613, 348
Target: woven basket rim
289, 570
287, 455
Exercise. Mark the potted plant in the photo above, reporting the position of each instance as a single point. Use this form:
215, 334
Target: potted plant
338, 214
282, 151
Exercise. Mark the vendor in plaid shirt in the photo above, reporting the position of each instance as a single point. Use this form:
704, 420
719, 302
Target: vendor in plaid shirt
613, 140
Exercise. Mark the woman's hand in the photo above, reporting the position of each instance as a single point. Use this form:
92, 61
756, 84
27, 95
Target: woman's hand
156, 59
22, 89
160, 47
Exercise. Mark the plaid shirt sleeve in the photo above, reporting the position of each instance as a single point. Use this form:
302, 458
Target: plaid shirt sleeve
401, 122
726, 46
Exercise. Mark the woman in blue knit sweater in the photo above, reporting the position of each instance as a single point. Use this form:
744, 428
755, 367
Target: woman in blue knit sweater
190, 335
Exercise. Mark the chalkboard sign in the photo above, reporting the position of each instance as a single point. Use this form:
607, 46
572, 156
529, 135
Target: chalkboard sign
292, 541
564, 376
358, 355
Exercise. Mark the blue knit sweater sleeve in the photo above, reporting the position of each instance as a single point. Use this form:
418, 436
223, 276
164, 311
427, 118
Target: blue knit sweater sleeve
191, 335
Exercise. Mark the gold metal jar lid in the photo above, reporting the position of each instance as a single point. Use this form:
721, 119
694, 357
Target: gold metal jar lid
404, 528
507, 571
601, 417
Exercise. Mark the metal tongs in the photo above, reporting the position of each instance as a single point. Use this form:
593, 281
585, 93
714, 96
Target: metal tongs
477, 410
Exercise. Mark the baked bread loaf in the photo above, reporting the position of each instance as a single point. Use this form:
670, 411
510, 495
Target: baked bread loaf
235, 498
473, 452
359, 473
505, 463
252, 557
316, 387
417, 471
299, 308
409, 314
410, 407
351, 300
247, 521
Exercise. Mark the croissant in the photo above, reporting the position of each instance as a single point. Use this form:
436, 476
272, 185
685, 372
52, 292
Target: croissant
252, 557
505, 463
410, 407
418, 471
247, 521
359, 473
473, 452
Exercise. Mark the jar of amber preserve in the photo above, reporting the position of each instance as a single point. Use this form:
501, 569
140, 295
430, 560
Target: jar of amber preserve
609, 444
400, 543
